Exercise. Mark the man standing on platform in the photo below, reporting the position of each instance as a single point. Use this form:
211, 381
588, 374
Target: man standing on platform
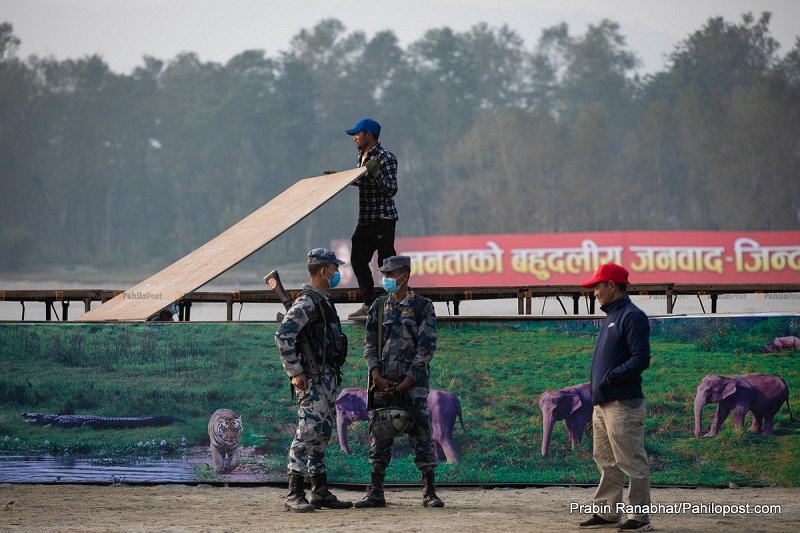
621, 354
377, 213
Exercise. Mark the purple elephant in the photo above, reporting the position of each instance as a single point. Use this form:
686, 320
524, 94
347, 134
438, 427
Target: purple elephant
573, 405
351, 406
761, 394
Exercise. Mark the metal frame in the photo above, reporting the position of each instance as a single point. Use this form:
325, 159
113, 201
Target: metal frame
456, 295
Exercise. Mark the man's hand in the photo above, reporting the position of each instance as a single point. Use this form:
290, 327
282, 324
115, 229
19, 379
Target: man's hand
404, 385
373, 168
388, 388
300, 382
385, 386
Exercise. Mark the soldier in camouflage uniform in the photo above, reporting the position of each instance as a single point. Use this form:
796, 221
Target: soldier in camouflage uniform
313, 370
401, 376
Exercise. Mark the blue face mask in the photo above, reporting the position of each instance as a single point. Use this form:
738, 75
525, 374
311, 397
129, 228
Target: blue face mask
334, 281
390, 285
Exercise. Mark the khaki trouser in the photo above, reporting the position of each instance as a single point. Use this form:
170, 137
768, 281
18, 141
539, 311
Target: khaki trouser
619, 450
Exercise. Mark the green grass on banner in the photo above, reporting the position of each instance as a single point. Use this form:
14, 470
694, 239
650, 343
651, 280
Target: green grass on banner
498, 370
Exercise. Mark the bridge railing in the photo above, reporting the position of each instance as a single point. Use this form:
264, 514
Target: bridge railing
455, 295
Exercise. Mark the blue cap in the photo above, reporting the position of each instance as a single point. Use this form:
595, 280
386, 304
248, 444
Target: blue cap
396, 262
322, 256
365, 124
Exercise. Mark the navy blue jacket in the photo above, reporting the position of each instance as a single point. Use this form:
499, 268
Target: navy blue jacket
621, 354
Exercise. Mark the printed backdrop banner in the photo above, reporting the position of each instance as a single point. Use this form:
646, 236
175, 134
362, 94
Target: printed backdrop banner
570, 258
131, 402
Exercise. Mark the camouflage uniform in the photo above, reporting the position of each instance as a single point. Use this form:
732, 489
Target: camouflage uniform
407, 351
316, 406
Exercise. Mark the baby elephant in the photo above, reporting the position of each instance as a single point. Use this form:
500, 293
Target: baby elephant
573, 405
445, 409
782, 343
224, 432
761, 394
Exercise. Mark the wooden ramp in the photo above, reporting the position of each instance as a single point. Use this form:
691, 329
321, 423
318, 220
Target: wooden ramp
224, 251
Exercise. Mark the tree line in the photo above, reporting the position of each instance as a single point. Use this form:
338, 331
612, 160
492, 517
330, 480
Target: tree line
492, 136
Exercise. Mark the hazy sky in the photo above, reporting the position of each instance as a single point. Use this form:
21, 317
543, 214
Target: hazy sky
123, 31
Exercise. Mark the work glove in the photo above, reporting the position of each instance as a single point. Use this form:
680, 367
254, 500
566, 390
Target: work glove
373, 168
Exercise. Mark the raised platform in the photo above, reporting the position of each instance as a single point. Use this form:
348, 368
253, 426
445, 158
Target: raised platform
456, 295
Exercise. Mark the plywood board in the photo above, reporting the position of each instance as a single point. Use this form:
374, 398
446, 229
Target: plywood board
224, 251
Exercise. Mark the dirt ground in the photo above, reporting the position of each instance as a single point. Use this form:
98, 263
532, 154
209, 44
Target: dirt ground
111, 508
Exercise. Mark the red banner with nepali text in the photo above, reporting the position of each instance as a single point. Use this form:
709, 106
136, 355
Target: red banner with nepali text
571, 258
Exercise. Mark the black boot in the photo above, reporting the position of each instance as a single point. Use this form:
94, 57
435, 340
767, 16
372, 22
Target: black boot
429, 497
296, 499
322, 497
374, 497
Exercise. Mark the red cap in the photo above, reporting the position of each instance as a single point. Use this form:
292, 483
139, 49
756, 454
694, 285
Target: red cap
607, 272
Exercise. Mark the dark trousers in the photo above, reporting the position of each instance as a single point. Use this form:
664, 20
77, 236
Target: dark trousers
366, 240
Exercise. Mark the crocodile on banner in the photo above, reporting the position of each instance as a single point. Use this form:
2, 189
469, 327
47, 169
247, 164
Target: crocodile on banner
98, 422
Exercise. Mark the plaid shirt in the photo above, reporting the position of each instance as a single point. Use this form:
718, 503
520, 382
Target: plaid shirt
376, 195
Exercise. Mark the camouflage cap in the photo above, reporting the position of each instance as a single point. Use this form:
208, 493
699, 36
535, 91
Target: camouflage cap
322, 256
396, 262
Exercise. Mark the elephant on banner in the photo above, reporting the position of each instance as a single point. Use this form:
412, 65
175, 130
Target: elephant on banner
351, 406
782, 343
760, 394
573, 405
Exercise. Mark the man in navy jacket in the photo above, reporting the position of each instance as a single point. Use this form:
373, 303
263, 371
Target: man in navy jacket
620, 356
